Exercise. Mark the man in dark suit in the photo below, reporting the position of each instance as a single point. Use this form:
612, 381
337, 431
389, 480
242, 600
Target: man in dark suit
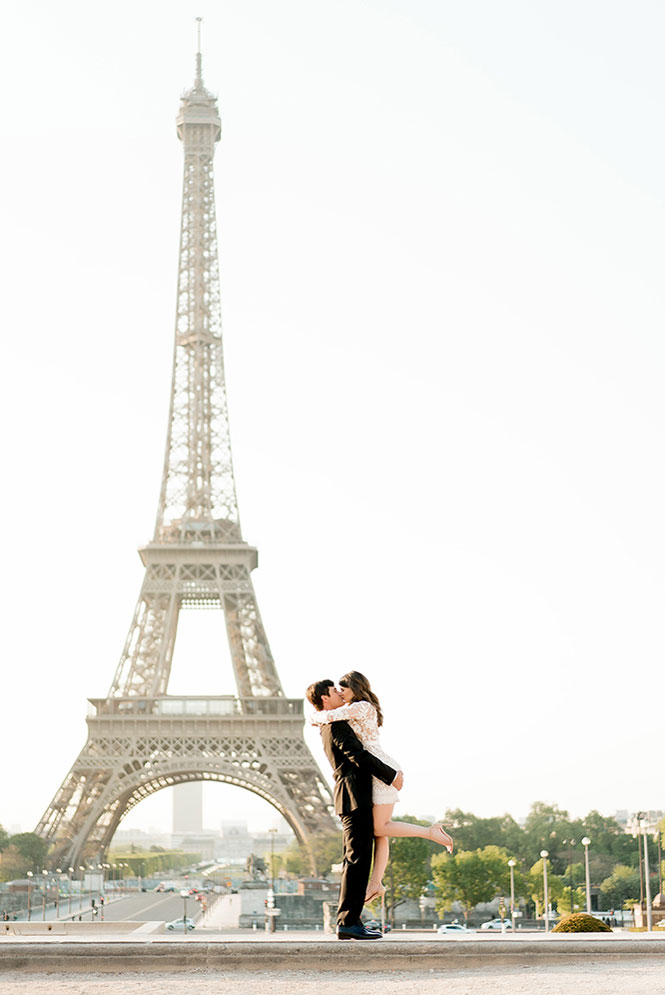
353, 767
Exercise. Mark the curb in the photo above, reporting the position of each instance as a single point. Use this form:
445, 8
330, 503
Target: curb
181, 956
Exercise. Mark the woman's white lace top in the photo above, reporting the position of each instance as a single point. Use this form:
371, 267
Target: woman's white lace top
361, 716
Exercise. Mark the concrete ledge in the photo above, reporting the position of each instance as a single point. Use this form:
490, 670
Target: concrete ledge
165, 954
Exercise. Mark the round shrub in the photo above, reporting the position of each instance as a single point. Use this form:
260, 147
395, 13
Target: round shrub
581, 922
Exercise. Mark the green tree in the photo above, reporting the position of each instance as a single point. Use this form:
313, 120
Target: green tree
545, 828
622, 885
324, 848
470, 877
32, 847
472, 833
4, 838
13, 864
579, 900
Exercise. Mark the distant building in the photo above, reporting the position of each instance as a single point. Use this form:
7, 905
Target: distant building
124, 839
188, 808
651, 819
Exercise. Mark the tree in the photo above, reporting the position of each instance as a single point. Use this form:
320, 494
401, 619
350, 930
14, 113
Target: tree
32, 847
579, 899
324, 848
545, 828
4, 838
13, 864
473, 833
470, 877
622, 886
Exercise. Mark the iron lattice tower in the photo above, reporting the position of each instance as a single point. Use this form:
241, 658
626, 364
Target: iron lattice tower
140, 738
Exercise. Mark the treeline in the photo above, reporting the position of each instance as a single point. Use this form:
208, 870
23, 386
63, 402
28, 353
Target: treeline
478, 870
151, 863
25, 852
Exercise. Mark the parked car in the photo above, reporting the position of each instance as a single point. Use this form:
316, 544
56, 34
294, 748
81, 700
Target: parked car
496, 924
376, 924
454, 929
180, 924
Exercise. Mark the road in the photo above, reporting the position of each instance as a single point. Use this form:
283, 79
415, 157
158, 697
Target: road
138, 906
151, 905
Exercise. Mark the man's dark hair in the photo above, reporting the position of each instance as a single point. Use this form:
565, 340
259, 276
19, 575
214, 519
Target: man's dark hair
316, 690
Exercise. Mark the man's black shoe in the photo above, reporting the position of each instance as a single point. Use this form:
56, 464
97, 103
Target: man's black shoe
358, 932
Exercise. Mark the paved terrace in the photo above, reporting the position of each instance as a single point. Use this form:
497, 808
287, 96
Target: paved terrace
208, 963
114, 949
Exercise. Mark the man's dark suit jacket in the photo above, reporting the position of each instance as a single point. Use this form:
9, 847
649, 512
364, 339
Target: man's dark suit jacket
353, 767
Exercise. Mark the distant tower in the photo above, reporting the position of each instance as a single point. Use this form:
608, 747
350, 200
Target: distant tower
188, 808
141, 739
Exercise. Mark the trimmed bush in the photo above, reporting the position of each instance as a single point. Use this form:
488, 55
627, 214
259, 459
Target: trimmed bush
581, 922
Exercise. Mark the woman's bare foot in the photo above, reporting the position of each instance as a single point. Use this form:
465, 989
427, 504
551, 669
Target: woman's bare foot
374, 891
439, 835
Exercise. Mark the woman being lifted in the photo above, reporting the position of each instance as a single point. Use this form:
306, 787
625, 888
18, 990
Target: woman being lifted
361, 709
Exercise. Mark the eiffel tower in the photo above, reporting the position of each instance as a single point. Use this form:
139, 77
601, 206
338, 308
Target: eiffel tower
140, 738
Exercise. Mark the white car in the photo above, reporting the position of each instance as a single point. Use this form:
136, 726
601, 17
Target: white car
453, 929
180, 924
496, 924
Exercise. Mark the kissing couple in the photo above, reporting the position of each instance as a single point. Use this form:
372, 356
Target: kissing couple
367, 782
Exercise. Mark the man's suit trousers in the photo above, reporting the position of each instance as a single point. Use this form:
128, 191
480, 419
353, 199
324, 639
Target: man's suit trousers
358, 838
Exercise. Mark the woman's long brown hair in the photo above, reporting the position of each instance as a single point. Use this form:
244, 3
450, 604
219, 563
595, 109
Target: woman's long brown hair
359, 685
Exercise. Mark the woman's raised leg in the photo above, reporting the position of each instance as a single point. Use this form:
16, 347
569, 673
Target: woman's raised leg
385, 826
381, 853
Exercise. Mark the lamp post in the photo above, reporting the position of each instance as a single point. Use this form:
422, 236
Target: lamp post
571, 844
58, 871
184, 894
272, 832
585, 844
81, 870
647, 883
545, 854
29, 891
70, 871
271, 894
511, 864
44, 877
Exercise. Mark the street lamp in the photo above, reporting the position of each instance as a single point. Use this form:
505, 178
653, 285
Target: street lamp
29, 890
585, 844
58, 871
184, 894
272, 832
545, 854
270, 902
70, 871
571, 844
647, 883
511, 864
45, 875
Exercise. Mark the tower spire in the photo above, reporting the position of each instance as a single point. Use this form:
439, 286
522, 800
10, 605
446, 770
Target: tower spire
199, 77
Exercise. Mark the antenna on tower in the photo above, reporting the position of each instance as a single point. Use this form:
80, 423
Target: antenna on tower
199, 78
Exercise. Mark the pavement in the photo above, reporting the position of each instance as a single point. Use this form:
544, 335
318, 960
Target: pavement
628, 964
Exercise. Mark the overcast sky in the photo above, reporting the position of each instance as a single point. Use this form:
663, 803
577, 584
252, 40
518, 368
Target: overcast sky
441, 248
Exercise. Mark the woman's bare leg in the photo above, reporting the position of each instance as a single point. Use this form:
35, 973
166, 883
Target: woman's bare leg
385, 826
381, 853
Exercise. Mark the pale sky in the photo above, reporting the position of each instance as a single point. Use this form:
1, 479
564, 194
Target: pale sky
441, 248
